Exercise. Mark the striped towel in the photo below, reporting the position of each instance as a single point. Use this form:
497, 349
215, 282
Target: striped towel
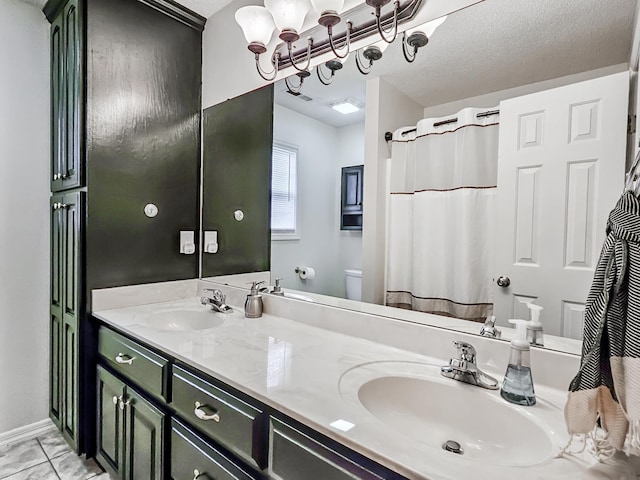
603, 404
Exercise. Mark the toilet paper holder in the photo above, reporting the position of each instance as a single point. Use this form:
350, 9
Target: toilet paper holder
305, 273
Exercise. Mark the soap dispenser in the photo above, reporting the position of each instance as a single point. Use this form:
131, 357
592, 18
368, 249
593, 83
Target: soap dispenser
253, 304
517, 386
534, 327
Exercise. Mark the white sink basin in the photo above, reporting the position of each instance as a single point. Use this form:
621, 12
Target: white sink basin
415, 401
181, 318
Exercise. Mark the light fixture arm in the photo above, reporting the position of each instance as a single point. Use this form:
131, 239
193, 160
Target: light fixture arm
292, 88
308, 56
408, 55
268, 76
363, 70
347, 41
394, 28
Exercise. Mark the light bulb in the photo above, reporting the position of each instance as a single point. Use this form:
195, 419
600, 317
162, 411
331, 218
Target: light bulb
256, 23
288, 14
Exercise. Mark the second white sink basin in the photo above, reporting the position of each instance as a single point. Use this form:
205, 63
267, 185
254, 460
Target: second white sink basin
415, 401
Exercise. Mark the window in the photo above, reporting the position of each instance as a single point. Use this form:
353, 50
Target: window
283, 193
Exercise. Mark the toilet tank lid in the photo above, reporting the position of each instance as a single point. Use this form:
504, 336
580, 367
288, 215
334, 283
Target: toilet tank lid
353, 273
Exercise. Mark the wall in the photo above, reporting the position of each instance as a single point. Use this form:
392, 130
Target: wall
24, 236
350, 152
322, 151
387, 110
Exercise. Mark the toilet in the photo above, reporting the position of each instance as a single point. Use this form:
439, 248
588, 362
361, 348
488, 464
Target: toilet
353, 282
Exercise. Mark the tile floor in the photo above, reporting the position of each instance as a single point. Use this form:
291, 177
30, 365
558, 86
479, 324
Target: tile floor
46, 458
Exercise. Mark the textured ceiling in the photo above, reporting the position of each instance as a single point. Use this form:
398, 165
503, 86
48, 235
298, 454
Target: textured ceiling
491, 46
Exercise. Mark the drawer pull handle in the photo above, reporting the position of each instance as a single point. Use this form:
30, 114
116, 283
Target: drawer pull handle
202, 415
124, 359
196, 474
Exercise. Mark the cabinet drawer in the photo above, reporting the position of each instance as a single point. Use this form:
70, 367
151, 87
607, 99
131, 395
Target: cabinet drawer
295, 455
230, 421
134, 361
192, 457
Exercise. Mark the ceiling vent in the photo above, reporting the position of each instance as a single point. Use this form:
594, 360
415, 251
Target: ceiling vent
299, 95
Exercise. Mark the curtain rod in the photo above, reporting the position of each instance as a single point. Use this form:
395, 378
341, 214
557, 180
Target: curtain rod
388, 136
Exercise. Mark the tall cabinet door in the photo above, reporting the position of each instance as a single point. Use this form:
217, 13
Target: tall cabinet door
56, 308
66, 223
57, 103
66, 98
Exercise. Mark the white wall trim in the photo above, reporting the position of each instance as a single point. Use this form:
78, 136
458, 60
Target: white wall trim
27, 432
634, 58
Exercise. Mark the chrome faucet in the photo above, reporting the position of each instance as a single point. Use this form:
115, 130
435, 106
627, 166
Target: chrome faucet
275, 290
464, 368
216, 301
489, 328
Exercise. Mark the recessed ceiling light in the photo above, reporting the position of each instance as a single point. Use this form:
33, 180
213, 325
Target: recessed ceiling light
347, 106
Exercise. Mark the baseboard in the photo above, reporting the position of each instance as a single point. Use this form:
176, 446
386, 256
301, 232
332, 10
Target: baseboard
27, 432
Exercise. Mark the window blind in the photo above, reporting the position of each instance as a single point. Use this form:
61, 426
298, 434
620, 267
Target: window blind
283, 190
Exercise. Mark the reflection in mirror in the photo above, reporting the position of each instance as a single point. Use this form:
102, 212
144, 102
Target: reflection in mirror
509, 55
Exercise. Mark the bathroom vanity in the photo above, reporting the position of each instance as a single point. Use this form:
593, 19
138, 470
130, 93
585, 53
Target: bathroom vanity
225, 396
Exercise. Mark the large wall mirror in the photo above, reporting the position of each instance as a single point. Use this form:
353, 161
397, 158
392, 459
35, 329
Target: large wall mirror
483, 55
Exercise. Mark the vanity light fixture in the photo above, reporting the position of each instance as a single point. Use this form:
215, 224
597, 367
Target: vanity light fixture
371, 54
418, 37
287, 18
345, 107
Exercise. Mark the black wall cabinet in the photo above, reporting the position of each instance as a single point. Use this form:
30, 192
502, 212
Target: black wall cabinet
351, 205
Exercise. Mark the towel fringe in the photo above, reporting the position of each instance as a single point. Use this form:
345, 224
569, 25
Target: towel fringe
597, 443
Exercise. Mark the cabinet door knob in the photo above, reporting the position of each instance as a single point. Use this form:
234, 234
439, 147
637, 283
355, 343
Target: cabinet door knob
123, 404
116, 399
123, 359
202, 415
196, 474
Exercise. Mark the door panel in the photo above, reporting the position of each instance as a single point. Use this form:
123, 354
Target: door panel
55, 372
70, 381
110, 434
57, 102
560, 172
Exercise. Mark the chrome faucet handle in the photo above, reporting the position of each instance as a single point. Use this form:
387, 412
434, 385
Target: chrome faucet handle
466, 351
489, 328
216, 294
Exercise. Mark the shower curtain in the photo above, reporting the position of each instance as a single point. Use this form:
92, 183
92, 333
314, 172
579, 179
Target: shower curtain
440, 221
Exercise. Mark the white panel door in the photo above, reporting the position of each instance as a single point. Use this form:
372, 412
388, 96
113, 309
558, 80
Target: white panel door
560, 172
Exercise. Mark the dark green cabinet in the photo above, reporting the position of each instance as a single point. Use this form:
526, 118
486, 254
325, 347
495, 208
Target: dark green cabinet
67, 213
130, 431
66, 98
125, 131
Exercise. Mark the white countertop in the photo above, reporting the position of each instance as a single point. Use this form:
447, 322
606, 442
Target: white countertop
305, 371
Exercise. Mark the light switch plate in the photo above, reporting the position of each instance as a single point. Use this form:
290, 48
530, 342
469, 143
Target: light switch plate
187, 242
211, 242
